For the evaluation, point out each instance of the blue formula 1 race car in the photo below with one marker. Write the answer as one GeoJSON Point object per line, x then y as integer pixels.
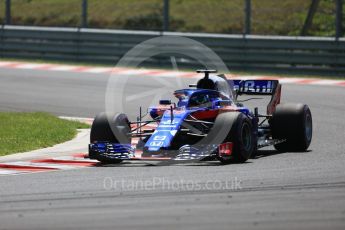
{"type": "Point", "coordinates": [207, 123]}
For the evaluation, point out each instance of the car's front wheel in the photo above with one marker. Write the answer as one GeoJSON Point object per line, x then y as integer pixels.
{"type": "Point", "coordinates": [112, 128]}
{"type": "Point", "coordinates": [238, 131]}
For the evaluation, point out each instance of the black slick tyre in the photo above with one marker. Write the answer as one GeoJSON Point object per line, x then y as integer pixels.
{"type": "Point", "coordinates": [292, 123]}
{"type": "Point", "coordinates": [241, 135]}
{"type": "Point", "coordinates": [112, 128]}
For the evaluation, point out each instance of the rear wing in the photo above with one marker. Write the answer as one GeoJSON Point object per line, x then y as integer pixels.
{"type": "Point", "coordinates": [255, 87]}
{"type": "Point", "coordinates": [259, 87]}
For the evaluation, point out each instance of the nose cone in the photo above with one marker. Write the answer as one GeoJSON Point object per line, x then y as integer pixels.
{"type": "Point", "coordinates": [166, 130]}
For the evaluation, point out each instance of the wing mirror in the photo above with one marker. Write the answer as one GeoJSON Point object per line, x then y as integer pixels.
{"type": "Point", "coordinates": [165, 102]}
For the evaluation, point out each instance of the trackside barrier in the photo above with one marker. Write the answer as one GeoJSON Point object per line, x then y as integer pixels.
{"type": "Point", "coordinates": [309, 55]}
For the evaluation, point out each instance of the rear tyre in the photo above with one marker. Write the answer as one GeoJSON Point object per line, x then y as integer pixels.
{"type": "Point", "coordinates": [241, 135]}
{"type": "Point", "coordinates": [111, 128]}
{"type": "Point", "coordinates": [292, 123]}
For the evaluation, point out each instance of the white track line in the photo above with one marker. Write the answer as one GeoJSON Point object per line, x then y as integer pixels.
{"type": "Point", "coordinates": [31, 66]}
{"type": "Point", "coordinates": [11, 172]}
{"type": "Point", "coordinates": [77, 159]}
{"type": "Point", "coordinates": [64, 68]}
{"type": "Point", "coordinates": [130, 72]}
{"type": "Point", "coordinates": [165, 73]}
{"type": "Point", "coordinates": [6, 63]}
{"type": "Point", "coordinates": [98, 70]}
{"type": "Point", "coordinates": [326, 82]}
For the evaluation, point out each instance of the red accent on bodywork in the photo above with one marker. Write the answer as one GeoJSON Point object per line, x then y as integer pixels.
{"type": "Point", "coordinates": [275, 100]}
{"type": "Point", "coordinates": [225, 149]}
{"type": "Point", "coordinates": [211, 114]}
{"type": "Point", "coordinates": [208, 114]}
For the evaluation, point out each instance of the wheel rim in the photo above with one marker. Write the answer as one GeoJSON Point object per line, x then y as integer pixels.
{"type": "Point", "coordinates": [308, 127]}
{"type": "Point", "coordinates": [246, 137]}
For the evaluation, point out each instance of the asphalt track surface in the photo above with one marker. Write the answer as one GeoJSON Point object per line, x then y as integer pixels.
{"type": "Point", "coordinates": [273, 191]}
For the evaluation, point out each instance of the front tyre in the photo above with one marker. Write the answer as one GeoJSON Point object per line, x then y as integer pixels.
{"type": "Point", "coordinates": [112, 128]}
{"type": "Point", "coordinates": [293, 124]}
{"type": "Point", "coordinates": [241, 135]}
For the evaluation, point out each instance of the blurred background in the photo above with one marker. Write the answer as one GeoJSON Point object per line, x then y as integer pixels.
{"type": "Point", "coordinates": [261, 17]}
{"type": "Point", "coordinates": [291, 36]}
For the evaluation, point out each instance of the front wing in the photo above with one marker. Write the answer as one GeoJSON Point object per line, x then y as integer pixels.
{"type": "Point", "coordinates": [114, 151]}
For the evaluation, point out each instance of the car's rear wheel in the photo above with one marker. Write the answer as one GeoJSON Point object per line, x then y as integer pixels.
{"type": "Point", "coordinates": [292, 124]}
{"type": "Point", "coordinates": [112, 128]}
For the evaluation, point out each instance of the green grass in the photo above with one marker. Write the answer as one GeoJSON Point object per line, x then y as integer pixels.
{"type": "Point", "coordinates": [22, 132]}
{"type": "Point", "coordinates": [215, 16]}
